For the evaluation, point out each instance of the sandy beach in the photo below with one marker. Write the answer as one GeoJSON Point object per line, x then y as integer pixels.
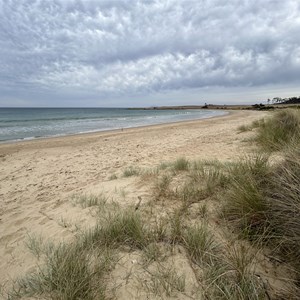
{"type": "Point", "coordinates": [38, 178]}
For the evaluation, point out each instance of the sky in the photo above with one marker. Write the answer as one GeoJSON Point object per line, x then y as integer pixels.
{"type": "Point", "coordinates": [106, 53]}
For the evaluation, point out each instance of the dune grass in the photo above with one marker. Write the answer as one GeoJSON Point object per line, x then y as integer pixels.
{"type": "Point", "coordinates": [181, 164]}
{"type": "Point", "coordinates": [131, 171]}
{"type": "Point", "coordinates": [283, 206]}
{"type": "Point", "coordinates": [89, 200]}
{"type": "Point", "coordinates": [68, 272]}
{"type": "Point", "coordinates": [245, 199]}
{"type": "Point", "coordinates": [231, 275]}
{"type": "Point", "coordinates": [282, 129]}
{"type": "Point", "coordinates": [200, 244]}
{"type": "Point", "coordinates": [263, 201]}
{"type": "Point", "coordinates": [123, 228]}
{"type": "Point", "coordinates": [165, 282]}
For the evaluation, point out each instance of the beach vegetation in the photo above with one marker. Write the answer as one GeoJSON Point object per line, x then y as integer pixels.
{"type": "Point", "coordinates": [64, 222]}
{"type": "Point", "coordinates": [279, 131]}
{"type": "Point", "coordinates": [89, 200]}
{"type": "Point", "coordinates": [176, 228]}
{"type": "Point", "coordinates": [244, 196]}
{"type": "Point", "coordinates": [200, 244]}
{"type": "Point", "coordinates": [163, 166]}
{"type": "Point", "coordinates": [181, 164]}
{"type": "Point", "coordinates": [35, 243]}
{"type": "Point", "coordinates": [244, 128]}
{"type": "Point", "coordinates": [120, 228]}
{"type": "Point", "coordinates": [68, 273]}
{"type": "Point", "coordinates": [165, 282]}
{"type": "Point", "coordinates": [152, 252]}
{"type": "Point", "coordinates": [131, 171]}
{"type": "Point", "coordinates": [161, 188]}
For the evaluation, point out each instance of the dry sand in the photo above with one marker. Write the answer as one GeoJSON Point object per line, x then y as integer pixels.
{"type": "Point", "coordinates": [38, 178]}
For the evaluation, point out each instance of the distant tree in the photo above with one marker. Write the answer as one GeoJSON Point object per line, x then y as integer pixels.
{"type": "Point", "coordinates": [291, 100]}
{"type": "Point", "coordinates": [277, 100]}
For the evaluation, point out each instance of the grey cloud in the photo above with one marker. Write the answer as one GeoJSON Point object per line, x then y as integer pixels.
{"type": "Point", "coordinates": [122, 48]}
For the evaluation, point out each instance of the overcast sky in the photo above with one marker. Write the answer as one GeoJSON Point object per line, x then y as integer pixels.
{"type": "Point", "coordinates": [143, 53]}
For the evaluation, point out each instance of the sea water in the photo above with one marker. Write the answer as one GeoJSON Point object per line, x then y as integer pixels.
{"type": "Point", "coordinates": [30, 123]}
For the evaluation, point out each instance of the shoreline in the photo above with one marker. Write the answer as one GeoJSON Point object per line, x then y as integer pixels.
{"type": "Point", "coordinates": [100, 133]}
{"type": "Point", "coordinates": [95, 131]}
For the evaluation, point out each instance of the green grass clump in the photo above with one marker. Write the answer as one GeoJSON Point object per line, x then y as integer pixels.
{"type": "Point", "coordinates": [245, 195]}
{"type": "Point", "coordinates": [181, 164]}
{"type": "Point", "coordinates": [280, 130]}
{"type": "Point", "coordinates": [283, 205]}
{"type": "Point", "coordinates": [131, 171]}
{"type": "Point", "coordinates": [161, 188]}
{"type": "Point", "coordinates": [199, 243]}
{"type": "Point", "coordinates": [232, 275]}
{"type": "Point", "coordinates": [35, 244]}
{"type": "Point", "coordinates": [223, 284]}
{"type": "Point", "coordinates": [67, 274]}
{"type": "Point", "coordinates": [264, 203]}
{"type": "Point", "coordinates": [176, 232]}
{"type": "Point", "coordinates": [120, 229]}
{"type": "Point", "coordinates": [89, 200]}
{"type": "Point", "coordinates": [211, 177]}
{"type": "Point", "coordinates": [244, 128]}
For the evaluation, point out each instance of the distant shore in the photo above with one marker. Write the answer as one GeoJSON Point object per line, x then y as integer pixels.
{"type": "Point", "coordinates": [259, 106]}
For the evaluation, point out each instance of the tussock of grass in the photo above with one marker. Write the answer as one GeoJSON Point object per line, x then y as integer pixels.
{"type": "Point", "coordinates": [277, 132]}
{"type": "Point", "coordinates": [123, 228]}
{"type": "Point", "coordinates": [161, 188]}
{"type": "Point", "coordinates": [176, 233]}
{"type": "Point", "coordinates": [283, 204]}
{"type": "Point", "coordinates": [181, 164]}
{"type": "Point", "coordinates": [244, 128]}
{"type": "Point", "coordinates": [257, 123]}
{"type": "Point", "coordinates": [211, 177]}
{"type": "Point", "coordinates": [89, 200]}
{"type": "Point", "coordinates": [200, 244]}
{"type": "Point", "coordinates": [264, 203]}
{"type": "Point", "coordinates": [35, 244]}
{"type": "Point", "coordinates": [131, 171]}
{"type": "Point", "coordinates": [163, 166]}
{"type": "Point", "coordinates": [203, 210]}
{"type": "Point", "coordinates": [67, 274]}
{"type": "Point", "coordinates": [245, 195]}
{"type": "Point", "coordinates": [231, 275]}
{"type": "Point", "coordinates": [222, 283]}
{"type": "Point", "coordinates": [151, 253]}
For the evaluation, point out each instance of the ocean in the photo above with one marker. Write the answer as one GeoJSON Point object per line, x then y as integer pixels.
{"type": "Point", "coordinates": [31, 123]}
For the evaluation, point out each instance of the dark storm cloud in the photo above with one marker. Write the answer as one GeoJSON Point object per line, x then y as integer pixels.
{"type": "Point", "coordinates": [140, 47]}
